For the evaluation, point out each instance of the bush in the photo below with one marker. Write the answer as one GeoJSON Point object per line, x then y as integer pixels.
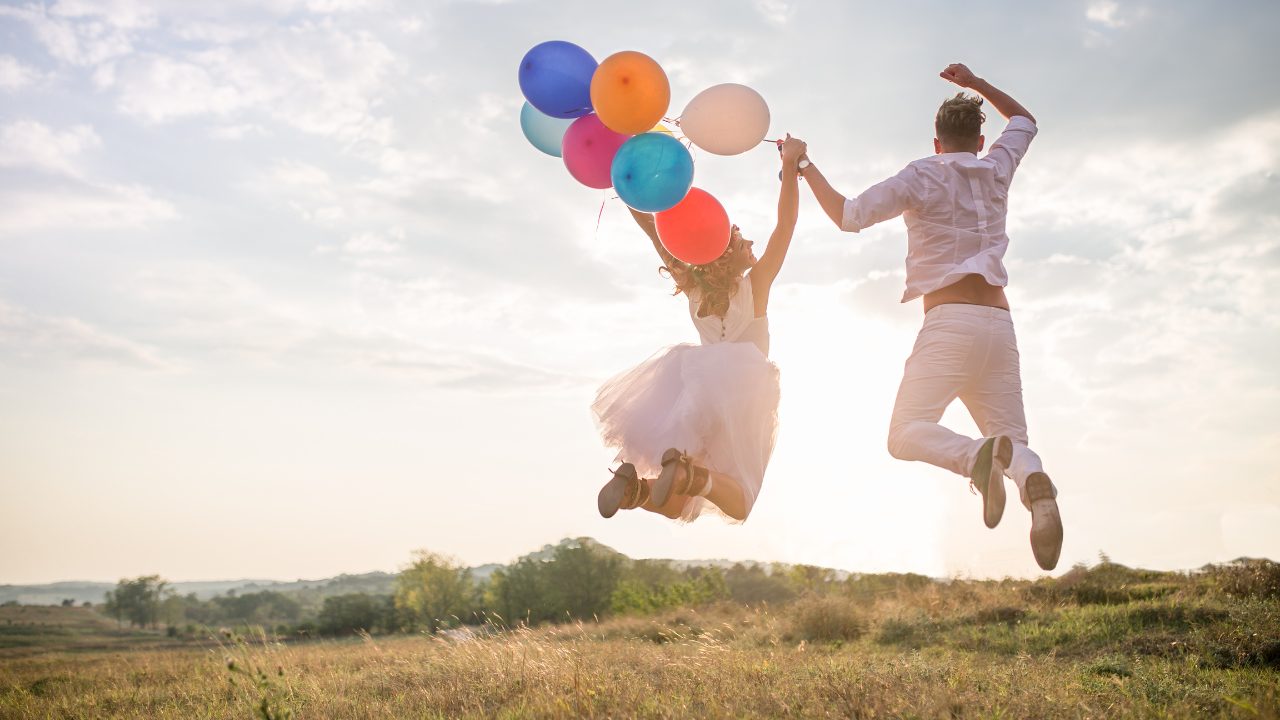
{"type": "Point", "coordinates": [1247, 577]}
{"type": "Point", "coordinates": [826, 619]}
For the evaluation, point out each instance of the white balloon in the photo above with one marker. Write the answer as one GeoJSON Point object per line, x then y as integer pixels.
{"type": "Point", "coordinates": [727, 119]}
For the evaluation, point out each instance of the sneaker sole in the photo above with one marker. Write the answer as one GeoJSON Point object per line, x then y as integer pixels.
{"type": "Point", "coordinates": [1046, 535]}
{"type": "Point", "coordinates": [989, 471]}
{"type": "Point", "coordinates": [1001, 457]}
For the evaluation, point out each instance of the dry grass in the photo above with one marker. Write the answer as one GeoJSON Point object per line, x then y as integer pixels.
{"type": "Point", "coordinates": [958, 650]}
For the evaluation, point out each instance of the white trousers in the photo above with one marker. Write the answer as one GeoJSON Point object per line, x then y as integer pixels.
{"type": "Point", "coordinates": [967, 352]}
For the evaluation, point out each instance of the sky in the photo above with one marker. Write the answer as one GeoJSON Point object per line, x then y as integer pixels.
{"type": "Point", "coordinates": [285, 292]}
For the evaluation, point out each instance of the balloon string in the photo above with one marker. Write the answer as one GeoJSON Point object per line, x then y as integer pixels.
{"type": "Point", "coordinates": [601, 213]}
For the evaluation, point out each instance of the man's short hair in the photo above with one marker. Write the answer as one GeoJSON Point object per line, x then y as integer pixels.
{"type": "Point", "coordinates": [959, 121]}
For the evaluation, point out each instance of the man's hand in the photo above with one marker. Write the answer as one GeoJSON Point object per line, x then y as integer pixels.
{"type": "Point", "coordinates": [960, 75]}
{"type": "Point", "coordinates": [964, 77]}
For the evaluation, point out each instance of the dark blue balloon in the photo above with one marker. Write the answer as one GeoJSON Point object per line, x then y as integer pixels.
{"type": "Point", "coordinates": [652, 172]}
{"type": "Point", "coordinates": [555, 77]}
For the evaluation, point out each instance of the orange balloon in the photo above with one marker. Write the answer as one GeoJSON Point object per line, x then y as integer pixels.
{"type": "Point", "coordinates": [630, 92]}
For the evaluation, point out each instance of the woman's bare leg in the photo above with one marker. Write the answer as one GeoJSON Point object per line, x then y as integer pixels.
{"type": "Point", "coordinates": [671, 508]}
{"type": "Point", "coordinates": [725, 493]}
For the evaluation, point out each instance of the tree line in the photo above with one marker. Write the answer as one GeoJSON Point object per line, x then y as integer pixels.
{"type": "Point", "coordinates": [577, 580]}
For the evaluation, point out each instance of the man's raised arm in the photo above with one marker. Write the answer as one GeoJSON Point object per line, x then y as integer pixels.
{"type": "Point", "coordinates": [1000, 100]}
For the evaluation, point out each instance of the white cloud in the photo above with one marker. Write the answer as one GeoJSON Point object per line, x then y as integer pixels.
{"type": "Point", "coordinates": [1106, 13]}
{"type": "Point", "coordinates": [33, 145]}
{"type": "Point", "coordinates": [313, 77]}
{"type": "Point", "coordinates": [31, 338]}
{"type": "Point", "coordinates": [775, 11]}
{"type": "Point", "coordinates": [127, 14]}
{"type": "Point", "coordinates": [60, 191]}
{"type": "Point", "coordinates": [81, 208]}
{"type": "Point", "coordinates": [71, 40]}
{"type": "Point", "coordinates": [158, 89]}
{"type": "Point", "coordinates": [14, 75]}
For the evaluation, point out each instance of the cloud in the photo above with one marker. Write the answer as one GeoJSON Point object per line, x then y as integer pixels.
{"type": "Point", "coordinates": [312, 76]}
{"type": "Point", "coordinates": [29, 338]}
{"type": "Point", "coordinates": [159, 89]}
{"type": "Point", "coordinates": [33, 145]}
{"type": "Point", "coordinates": [54, 188]}
{"type": "Point", "coordinates": [775, 11]}
{"type": "Point", "coordinates": [1109, 14]}
{"type": "Point", "coordinates": [14, 75]}
{"type": "Point", "coordinates": [433, 336]}
{"type": "Point", "coordinates": [77, 43]}
{"type": "Point", "coordinates": [81, 208]}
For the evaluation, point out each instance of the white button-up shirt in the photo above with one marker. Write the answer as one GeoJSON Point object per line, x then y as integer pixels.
{"type": "Point", "coordinates": [954, 205]}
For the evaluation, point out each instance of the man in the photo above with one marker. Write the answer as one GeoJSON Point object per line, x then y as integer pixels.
{"type": "Point", "coordinates": [954, 205]}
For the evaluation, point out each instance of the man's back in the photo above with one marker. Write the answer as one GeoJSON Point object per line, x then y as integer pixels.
{"type": "Point", "coordinates": [954, 206]}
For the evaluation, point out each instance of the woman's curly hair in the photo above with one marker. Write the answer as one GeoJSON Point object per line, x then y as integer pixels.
{"type": "Point", "coordinates": [712, 284]}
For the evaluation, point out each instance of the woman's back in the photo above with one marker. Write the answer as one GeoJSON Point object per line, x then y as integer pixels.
{"type": "Point", "coordinates": [738, 324]}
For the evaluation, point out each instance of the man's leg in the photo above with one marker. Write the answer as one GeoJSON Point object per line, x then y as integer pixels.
{"type": "Point", "coordinates": [934, 375]}
{"type": "Point", "coordinates": [994, 399]}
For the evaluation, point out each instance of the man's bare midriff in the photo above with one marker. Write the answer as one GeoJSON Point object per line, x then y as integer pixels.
{"type": "Point", "coordinates": [968, 290]}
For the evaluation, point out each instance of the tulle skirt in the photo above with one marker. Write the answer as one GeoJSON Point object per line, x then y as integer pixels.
{"type": "Point", "coordinates": [717, 402]}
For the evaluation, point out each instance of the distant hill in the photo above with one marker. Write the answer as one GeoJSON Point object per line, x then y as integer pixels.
{"type": "Point", "coordinates": [54, 593]}
{"type": "Point", "coordinates": [373, 583]}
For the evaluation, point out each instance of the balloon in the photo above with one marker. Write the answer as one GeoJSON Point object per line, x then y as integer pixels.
{"type": "Point", "coordinates": [652, 172]}
{"type": "Point", "coordinates": [696, 230]}
{"type": "Point", "coordinates": [543, 131]}
{"type": "Point", "coordinates": [660, 128]}
{"type": "Point", "coordinates": [588, 151]}
{"type": "Point", "coordinates": [726, 119]}
{"type": "Point", "coordinates": [630, 92]}
{"type": "Point", "coordinates": [555, 77]}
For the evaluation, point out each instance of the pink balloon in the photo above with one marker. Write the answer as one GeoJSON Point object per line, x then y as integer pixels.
{"type": "Point", "coordinates": [588, 149]}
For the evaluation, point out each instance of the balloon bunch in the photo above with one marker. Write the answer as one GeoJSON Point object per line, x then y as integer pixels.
{"type": "Point", "coordinates": [604, 120]}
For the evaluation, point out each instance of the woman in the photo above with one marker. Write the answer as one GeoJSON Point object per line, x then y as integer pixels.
{"type": "Point", "coordinates": [695, 424]}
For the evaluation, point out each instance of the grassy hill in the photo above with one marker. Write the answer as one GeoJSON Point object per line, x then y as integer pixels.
{"type": "Point", "coordinates": [1100, 642]}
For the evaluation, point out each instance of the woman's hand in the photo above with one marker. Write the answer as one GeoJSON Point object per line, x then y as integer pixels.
{"type": "Point", "coordinates": [792, 150]}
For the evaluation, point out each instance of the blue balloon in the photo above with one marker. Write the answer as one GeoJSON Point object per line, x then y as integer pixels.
{"type": "Point", "coordinates": [555, 77]}
{"type": "Point", "coordinates": [652, 172]}
{"type": "Point", "coordinates": [545, 132]}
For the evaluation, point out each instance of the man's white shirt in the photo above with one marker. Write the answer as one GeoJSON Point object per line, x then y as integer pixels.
{"type": "Point", "coordinates": [954, 205]}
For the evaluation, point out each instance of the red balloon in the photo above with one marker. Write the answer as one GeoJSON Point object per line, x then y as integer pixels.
{"type": "Point", "coordinates": [696, 230]}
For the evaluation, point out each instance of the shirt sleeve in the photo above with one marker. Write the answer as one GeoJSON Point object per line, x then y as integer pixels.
{"type": "Point", "coordinates": [882, 201]}
{"type": "Point", "coordinates": [1009, 148]}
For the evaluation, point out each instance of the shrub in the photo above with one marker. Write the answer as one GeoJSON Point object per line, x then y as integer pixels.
{"type": "Point", "coordinates": [826, 619]}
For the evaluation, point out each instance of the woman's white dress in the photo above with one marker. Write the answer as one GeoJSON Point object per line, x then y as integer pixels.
{"type": "Point", "coordinates": [717, 401]}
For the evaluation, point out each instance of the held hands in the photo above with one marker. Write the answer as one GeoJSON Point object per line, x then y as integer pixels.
{"type": "Point", "coordinates": [959, 74]}
{"type": "Point", "coordinates": [792, 149]}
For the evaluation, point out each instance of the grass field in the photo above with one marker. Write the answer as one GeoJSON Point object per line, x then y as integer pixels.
{"type": "Point", "coordinates": [1098, 643]}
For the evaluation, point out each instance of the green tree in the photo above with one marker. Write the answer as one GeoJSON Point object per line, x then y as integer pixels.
{"type": "Point", "coordinates": [582, 579]}
{"type": "Point", "coordinates": [432, 589]}
{"type": "Point", "coordinates": [352, 613]}
{"type": "Point", "coordinates": [519, 592]}
{"type": "Point", "coordinates": [138, 600]}
{"type": "Point", "coordinates": [752, 585]}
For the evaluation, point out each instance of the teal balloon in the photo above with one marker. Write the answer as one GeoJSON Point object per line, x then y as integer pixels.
{"type": "Point", "coordinates": [652, 172]}
{"type": "Point", "coordinates": [543, 131]}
